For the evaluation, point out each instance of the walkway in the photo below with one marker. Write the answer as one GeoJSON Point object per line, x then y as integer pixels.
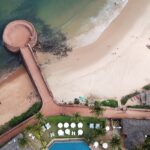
{"type": "Point", "coordinates": [49, 106]}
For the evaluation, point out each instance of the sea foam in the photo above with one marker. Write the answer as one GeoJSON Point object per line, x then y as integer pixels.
{"type": "Point", "coordinates": [99, 23]}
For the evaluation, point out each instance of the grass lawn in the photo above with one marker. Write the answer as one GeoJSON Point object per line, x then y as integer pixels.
{"type": "Point", "coordinates": [86, 130]}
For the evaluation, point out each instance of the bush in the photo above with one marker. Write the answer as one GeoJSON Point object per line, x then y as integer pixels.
{"type": "Point", "coordinates": [87, 103]}
{"type": "Point", "coordinates": [76, 101]}
{"type": "Point", "coordinates": [23, 142]}
{"type": "Point", "coordinates": [110, 103]}
{"type": "Point", "coordinates": [146, 87]}
{"type": "Point", "coordinates": [30, 112]}
{"type": "Point", "coordinates": [140, 106]}
{"type": "Point", "coordinates": [127, 97]}
{"type": "Point", "coordinates": [16, 120]}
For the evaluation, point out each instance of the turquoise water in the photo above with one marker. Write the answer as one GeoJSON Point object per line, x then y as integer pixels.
{"type": "Point", "coordinates": [72, 145]}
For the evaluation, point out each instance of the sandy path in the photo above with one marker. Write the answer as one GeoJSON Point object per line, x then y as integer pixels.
{"type": "Point", "coordinates": [15, 95]}
{"type": "Point", "coordinates": [115, 65]}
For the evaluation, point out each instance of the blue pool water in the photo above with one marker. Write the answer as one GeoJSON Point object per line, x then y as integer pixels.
{"type": "Point", "coordinates": [69, 145]}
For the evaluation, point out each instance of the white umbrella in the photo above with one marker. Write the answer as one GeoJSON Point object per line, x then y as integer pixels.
{"type": "Point", "coordinates": [96, 144]}
{"type": "Point", "coordinates": [60, 125]}
{"type": "Point", "coordinates": [66, 125]}
{"type": "Point", "coordinates": [80, 132]}
{"type": "Point", "coordinates": [105, 145]}
{"type": "Point", "coordinates": [67, 131]}
{"type": "Point", "coordinates": [80, 125]}
{"type": "Point", "coordinates": [60, 132]}
{"type": "Point", "coordinates": [30, 134]}
{"type": "Point", "coordinates": [107, 128]}
{"type": "Point", "coordinates": [73, 125]}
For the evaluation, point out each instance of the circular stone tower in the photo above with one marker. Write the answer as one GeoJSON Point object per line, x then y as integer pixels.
{"type": "Point", "coordinates": [19, 34]}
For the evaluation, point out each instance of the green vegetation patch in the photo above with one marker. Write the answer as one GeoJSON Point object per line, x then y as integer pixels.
{"type": "Point", "coordinates": [110, 103]}
{"type": "Point", "coordinates": [127, 97]}
{"type": "Point", "coordinates": [140, 106]}
{"type": "Point", "coordinates": [88, 134]}
{"type": "Point", "coordinates": [146, 87]}
{"type": "Point", "coordinates": [16, 120]}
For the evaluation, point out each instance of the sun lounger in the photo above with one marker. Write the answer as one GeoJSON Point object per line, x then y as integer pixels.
{"type": "Point", "coordinates": [43, 128]}
{"type": "Point", "coordinates": [97, 126]}
{"type": "Point", "coordinates": [48, 126]}
{"type": "Point", "coordinates": [91, 126]}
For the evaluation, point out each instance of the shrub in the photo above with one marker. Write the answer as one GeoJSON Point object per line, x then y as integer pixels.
{"type": "Point", "coordinates": [110, 103]}
{"type": "Point", "coordinates": [146, 87]}
{"type": "Point", "coordinates": [76, 101]}
{"type": "Point", "coordinates": [87, 103]}
{"type": "Point", "coordinates": [23, 142]}
{"type": "Point", "coordinates": [16, 120]}
{"type": "Point", "coordinates": [127, 97]}
{"type": "Point", "coordinates": [30, 112]}
{"type": "Point", "coordinates": [140, 106]}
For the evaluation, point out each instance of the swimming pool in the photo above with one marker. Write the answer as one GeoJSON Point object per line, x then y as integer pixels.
{"type": "Point", "coordinates": [69, 145]}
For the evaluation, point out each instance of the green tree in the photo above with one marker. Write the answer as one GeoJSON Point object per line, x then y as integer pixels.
{"type": "Point", "coordinates": [23, 141]}
{"type": "Point", "coordinates": [97, 109]}
{"type": "Point", "coordinates": [115, 143]}
{"type": "Point", "coordinates": [37, 132]}
{"type": "Point", "coordinates": [76, 116]}
{"type": "Point", "coordinates": [41, 118]}
{"type": "Point", "coordinates": [90, 136]}
{"type": "Point", "coordinates": [146, 145]}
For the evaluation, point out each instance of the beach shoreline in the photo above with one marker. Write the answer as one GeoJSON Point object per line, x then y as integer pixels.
{"type": "Point", "coordinates": [78, 74]}
{"type": "Point", "coordinates": [18, 70]}
{"type": "Point", "coordinates": [99, 23]}
{"type": "Point", "coordinates": [111, 70]}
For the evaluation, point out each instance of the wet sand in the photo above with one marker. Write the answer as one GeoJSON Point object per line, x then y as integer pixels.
{"type": "Point", "coordinates": [115, 65]}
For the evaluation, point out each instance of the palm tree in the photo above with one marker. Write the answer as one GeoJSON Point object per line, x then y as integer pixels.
{"type": "Point", "coordinates": [37, 131]}
{"type": "Point", "coordinates": [76, 117]}
{"type": "Point", "coordinates": [97, 109]}
{"type": "Point", "coordinates": [115, 143]}
{"type": "Point", "coordinates": [40, 118]}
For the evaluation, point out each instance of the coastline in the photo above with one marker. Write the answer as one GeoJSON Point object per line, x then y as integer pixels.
{"type": "Point", "coordinates": [15, 71]}
{"type": "Point", "coordinates": [111, 70]}
{"type": "Point", "coordinates": [7, 77]}
{"type": "Point", "coordinates": [108, 57]}
{"type": "Point", "coordinates": [45, 58]}
{"type": "Point", "coordinates": [99, 23]}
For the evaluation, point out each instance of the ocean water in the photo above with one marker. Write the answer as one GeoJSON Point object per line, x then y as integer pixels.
{"type": "Point", "coordinates": [81, 20]}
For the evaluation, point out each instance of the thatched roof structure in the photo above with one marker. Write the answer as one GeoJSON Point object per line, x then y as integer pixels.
{"type": "Point", "coordinates": [135, 131]}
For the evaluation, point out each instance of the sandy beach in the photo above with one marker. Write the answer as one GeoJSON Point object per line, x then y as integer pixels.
{"type": "Point", "coordinates": [17, 94]}
{"type": "Point", "coordinates": [113, 66]}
